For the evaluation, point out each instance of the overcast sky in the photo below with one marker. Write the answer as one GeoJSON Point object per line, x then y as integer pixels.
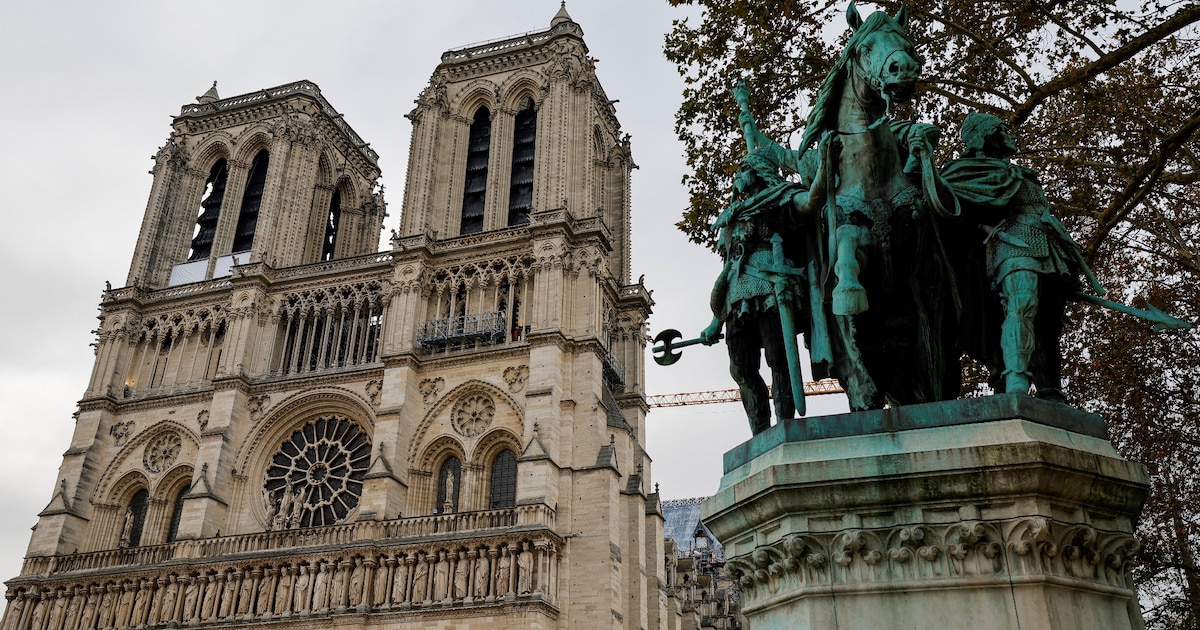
{"type": "Point", "coordinates": [89, 89]}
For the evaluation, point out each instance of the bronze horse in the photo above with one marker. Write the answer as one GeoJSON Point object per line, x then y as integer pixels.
{"type": "Point", "coordinates": [884, 322]}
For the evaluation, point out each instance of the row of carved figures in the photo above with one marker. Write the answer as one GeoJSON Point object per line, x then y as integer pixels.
{"type": "Point", "coordinates": [399, 580]}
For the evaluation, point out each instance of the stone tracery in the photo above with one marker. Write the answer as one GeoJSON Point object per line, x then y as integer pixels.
{"type": "Point", "coordinates": [473, 414]}
{"type": "Point", "coordinates": [316, 476]}
{"type": "Point", "coordinates": [161, 453]}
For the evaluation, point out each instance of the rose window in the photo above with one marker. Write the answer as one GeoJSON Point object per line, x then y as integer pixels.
{"type": "Point", "coordinates": [473, 414]}
{"type": "Point", "coordinates": [161, 453]}
{"type": "Point", "coordinates": [316, 477]}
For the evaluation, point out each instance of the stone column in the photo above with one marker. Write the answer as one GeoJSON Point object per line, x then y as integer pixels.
{"type": "Point", "coordinates": [987, 513]}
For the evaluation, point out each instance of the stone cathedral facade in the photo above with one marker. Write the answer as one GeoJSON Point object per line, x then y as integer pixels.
{"type": "Point", "coordinates": [286, 425]}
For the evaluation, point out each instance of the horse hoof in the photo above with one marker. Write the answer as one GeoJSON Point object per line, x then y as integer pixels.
{"type": "Point", "coordinates": [849, 300]}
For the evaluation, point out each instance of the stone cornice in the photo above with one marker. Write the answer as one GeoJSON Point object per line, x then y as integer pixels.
{"type": "Point", "coordinates": [158, 401]}
{"type": "Point", "coordinates": [474, 357]}
{"type": "Point", "coordinates": [293, 382]}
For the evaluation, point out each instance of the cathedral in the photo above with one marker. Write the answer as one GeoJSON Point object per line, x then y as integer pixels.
{"type": "Point", "coordinates": [286, 425]}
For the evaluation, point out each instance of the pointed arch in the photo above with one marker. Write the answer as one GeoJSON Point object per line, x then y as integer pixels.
{"type": "Point", "coordinates": [478, 93]}
{"type": "Point", "coordinates": [281, 420]}
{"type": "Point", "coordinates": [521, 175]}
{"type": "Point", "coordinates": [522, 84]}
{"type": "Point", "coordinates": [444, 458]}
{"type": "Point", "coordinates": [508, 414]}
{"type": "Point", "coordinates": [112, 486]}
{"type": "Point", "coordinates": [496, 456]}
{"type": "Point", "coordinates": [475, 180]}
{"type": "Point", "coordinates": [172, 488]}
{"type": "Point", "coordinates": [125, 486]}
{"type": "Point", "coordinates": [251, 141]}
{"type": "Point", "coordinates": [214, 147]}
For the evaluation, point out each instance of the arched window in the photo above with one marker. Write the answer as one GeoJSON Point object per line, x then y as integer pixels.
{"type": "Point", "coordinates": [449, 483]}
{"type": "Point", "coordinates": [520, 190]}
{"type": "Point", "coordinates": [477, 168]}
{"type": "Point", "coordinates": [504, 480]}
{"type": "Point", "coordinates": [331, 225]}
{"type": "Point", "coordinates": [135, 519]}
{"type": "Point", "coordinates": [176, 514]}
{"type": "Point", "coordinates": [210, 211]}
{"type": "Point", "coordinates": [256, 183]}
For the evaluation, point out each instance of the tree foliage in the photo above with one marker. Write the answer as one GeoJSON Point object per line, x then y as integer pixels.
{"type": "Point", "coordinates": [1103, 97]}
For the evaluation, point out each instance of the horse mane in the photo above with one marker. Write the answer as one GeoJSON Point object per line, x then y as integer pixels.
{"type": "Point", "coordinates": [825, 107]}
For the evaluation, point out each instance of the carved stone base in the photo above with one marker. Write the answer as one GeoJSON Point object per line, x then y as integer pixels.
{"type": "Point", "coordinates": [991, 513]}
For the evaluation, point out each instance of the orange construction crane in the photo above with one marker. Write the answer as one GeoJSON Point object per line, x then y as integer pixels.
{"type": "Point", "coordinates": [811, 388]}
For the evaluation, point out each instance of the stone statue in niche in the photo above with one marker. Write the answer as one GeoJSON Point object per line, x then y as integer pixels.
{"type": "Point", "coordinates": [441, 578]}
{"type": "Point", "coordinates": [420, 579]}
{"type": "Point", "coordinates": [504, 574]}
{"type": "Point", "coordinates": [525, 570]}
{"type": "Point", "coordinates": [482, 574]}
{"type": "Point", "coordinates": [448, 505]}
{"type": "Point", "coordinates": [126, 529]}
{"type": "Point", "coordinates": [460, 576]}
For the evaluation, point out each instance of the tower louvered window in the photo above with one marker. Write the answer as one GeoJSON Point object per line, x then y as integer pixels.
{"type": "Point", "coordinates": [210, 211]}
{"type": "Point", "coordinates": [256, 182]}
{"type": "Point", "coordinates": [477, 170]}
{"type": "Point", "coordinates": [520, 191]}
{"type": "Point", "coordinates": [331, 225]}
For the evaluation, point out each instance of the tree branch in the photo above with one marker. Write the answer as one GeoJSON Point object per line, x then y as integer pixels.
{"type": "Point", "coordinates": [970, 34]}
{"type": "Point", "coordinates": [1139, 187]}
{"type": "Point", "coordinates": [1185, 16]}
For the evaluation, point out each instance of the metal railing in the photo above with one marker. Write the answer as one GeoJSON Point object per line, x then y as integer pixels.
{"type": "Point", "coordinates": [455, 332]}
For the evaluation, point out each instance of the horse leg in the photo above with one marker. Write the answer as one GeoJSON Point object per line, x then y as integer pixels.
{"type": "Point", "coordinates": [849, 296]}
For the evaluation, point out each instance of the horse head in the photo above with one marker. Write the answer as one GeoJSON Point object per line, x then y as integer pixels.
{"type": "Point", "coordinates": [882, 55]}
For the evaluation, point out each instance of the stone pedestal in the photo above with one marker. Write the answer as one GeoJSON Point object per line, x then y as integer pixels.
{"type": "Point", "coordinates": [989, 513]}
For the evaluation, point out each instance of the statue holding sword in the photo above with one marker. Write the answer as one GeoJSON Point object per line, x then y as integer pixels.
{"type": "Point", "coordinates": [759, 296]}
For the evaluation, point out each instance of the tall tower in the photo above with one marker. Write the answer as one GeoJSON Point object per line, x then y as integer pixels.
{"type": "Point", "coordinates": [283, 424]}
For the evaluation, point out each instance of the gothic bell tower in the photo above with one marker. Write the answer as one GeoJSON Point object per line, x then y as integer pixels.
{"type": "Point", "coordinates": [275, 176]}
{"type": "Point", "coordinates": [284, 424]}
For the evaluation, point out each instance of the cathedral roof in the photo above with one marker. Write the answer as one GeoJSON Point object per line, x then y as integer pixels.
{"type": "Point", "coordinates": [682, 523]}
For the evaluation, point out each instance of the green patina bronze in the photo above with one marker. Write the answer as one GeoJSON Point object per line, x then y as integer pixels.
{"type": "Point", "coordinates": [758, 295]}
{"type": "Point", "coordinates": [1033, 266]}
{"type": "Point", "coordinates": [880, 297]}
{"type": "Point", "coordinates": [889, 268]}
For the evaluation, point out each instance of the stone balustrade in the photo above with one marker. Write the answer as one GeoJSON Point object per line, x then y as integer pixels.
{"type": "Point", "coordinates": [522, 517]}
{"type": "Point", "coordinates": [374, 577]}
